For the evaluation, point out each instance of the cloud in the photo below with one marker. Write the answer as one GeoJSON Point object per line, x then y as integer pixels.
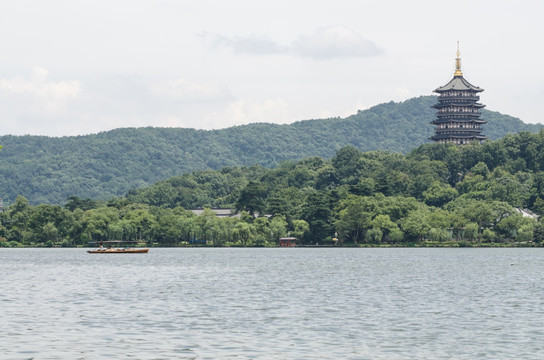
{"type": "Point", "coordinates": [38, 106]}
{"type": "Point", "coordinates": [245, 45]}
{"type": "Point", "coordinates": [49, 95]}
{"type": "Point", "coordinates": [402, 93]}
{"type": "Point", "coordinates": [325, 43]}
{"type": "Point", "coordinates": [246, 111]}
{"type": "Point", "coordinates": [335, 42]}
{"type": "Point", "coordinates": [183, 90]}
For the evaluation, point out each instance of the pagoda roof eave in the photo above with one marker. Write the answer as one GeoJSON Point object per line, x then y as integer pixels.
{"type": "Point", "coordinates": [458, 83]}
{"type": "Point", "coordinates": [464, 137]}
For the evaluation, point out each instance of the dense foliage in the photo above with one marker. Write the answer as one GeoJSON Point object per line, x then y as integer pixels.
{"type": "Point", "coordinates": [100, 166]}
{"type": "Point", "coordinates": [435, 195]}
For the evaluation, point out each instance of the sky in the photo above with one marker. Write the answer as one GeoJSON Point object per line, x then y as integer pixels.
{"type": "Point", "coordinates": [74, 67]}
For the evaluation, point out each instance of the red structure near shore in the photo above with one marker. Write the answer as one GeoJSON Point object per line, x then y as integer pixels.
{"type": "Point", "coordinates": [288, 242]}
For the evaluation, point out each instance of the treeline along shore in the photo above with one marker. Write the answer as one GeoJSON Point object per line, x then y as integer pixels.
{"type": "Point", "coordinates": [436, 195]}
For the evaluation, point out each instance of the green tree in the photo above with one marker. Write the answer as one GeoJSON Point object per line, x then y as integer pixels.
{"type": "Point", "coordinates": [489, 235]}
{"type": "Point", "coordinates": [471, 231]}
{"type": "Point", "coordinates": [317, 212]}
{"type": "Point", "coordinates": [416, 225]}
{"type": "Point", "coordinates": [439, 235]}
{"type": "Point", "coordinates": [252, 198]}
{"type": "Point", "coordinates": [374, 236]}
{"type": "Point", "coordinates": [50, 232]}
{"type": "Point", "coordinates": [353, 219]}
{"type": "Point", "coordinates": [300, 228]}
{"type": "Point", "coordinates": [538, 232]}
{"type": "Point", "coordinates": [438, 194]}
{"type": "Point", "coordinates": [525, 233]}
{"type": "Point", "coordinates": [18, 214]}
{"type": "Point", "coordinates": [244, 233]}
{"type": "Point", "coordinates": [278, 228]}
{"type": "Point", "coordinates": [384, 224]}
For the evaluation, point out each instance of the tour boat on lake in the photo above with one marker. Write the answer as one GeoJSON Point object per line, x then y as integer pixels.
{"type": "Point", "coordinates": [117, 250]}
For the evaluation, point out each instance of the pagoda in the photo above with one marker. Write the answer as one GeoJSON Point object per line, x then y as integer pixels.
{"type": "Point", "coordinates": [458, 117]}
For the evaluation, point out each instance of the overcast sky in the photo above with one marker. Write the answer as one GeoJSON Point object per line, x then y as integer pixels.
{"type": "Point", "coordinates": [73, 67]}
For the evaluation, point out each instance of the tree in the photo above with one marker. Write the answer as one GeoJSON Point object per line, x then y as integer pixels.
{"type": "Point", "coordinates": [384, 224]}
{"type": "Point", "coordinates": [169, 227]}
{"type": "Point", "coordinates": [538, 232]}
{"type": "Point", "coordinates": [300, 228]}
{"type": "Point", "coordinates": [396, 236]}
{"type": "Point", "coordinates": [489, 235]}
{"type": "Point", "coordinates": [244, 232]}
{"type": "Point", "coordinates": [76, 203]}
{"type": "Point", "coordinates": [439, 235]}
{"type": "Point", "coordinates": [525, 233]}
{"type": "Point", "coordinates": [317, 212]}
{"type": "Point", "coordinates": [96, 222]}
{"type": "Point", "coordinates": [471, 231]}
{"type": "Point", "coordinates": [374, 236]}
{"type": "Point", "coordinates": [287, 202]}
{"type": "Point", "coordinates": [480, 169]}
{"type": "Point", "coordinates": [251, 198]}
{"type": "Point", "coordinates": [50, 232]}
{"type": "Point", "coordinates": [347, 164]}
{"type": "Point", "coordinates": [278, 228]}
{"type": "Point", "coordinates": [438, 194]}
{"type": "Point", "coordinates": [353, 220]}
{"type": "Point", "coordinates": [19, 216]}
{"type": "Point", "coordinates": [365, 187]}
{"type": "Point", "coordinates": [415, 225]}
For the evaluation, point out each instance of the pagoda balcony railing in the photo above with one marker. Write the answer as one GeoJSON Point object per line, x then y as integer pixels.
{"type": "Point", "coordinates": [457, 104]}
{"type": "Point", "coordinates": [460, 110]}
{"type": "Point", "coordinates": [459, 113]}
{"type": "Point", "coordinates": [458, 132]}
{"type": "Point", "coordinates": [459, 98]}
{"type": "Point", "coordinates": [449, 121]}
{"type": "Point", "coordinates": [460, 127]}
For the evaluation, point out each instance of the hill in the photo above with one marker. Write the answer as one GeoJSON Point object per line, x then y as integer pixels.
{"type": "Point", "coordinates": [108, 164]}
{"type": "Point", "coordinates": [437, 195]}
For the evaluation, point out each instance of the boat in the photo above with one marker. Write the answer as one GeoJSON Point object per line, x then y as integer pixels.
{"type": "Point", "coordinates": [117, 250]}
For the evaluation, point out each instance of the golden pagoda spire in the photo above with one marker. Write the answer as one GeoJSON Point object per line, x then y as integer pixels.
{"type": "Point", "coordinates": [458, 71]}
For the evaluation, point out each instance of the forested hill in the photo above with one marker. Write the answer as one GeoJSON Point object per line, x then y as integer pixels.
{"type": "Point", "coordinates": [100, 166]}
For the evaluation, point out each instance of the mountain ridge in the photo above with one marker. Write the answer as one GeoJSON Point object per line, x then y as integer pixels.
{"type": "Point", "coordinates": [110, 163]}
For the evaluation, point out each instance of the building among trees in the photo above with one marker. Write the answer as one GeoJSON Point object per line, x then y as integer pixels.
{"type": "Point", "coordinates": [458, 117]}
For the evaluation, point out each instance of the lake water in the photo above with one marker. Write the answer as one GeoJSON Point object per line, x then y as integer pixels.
{"type": "Point", "coordinates": [272, 304]}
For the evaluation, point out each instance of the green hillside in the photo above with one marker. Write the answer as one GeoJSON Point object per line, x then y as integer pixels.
{"type": "Point", "coordinates": [437, 195]}
{"type": "Point", "coordinates": [108, 164]}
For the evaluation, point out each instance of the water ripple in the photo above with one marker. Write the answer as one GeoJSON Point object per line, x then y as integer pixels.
{"type": "Point", "coordinates": [273, 304]}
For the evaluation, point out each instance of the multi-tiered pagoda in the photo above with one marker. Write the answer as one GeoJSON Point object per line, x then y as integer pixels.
{"type": "Point", "coordinates": [458, 118]}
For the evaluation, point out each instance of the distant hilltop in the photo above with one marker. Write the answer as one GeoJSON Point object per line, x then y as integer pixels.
{"type": "Point", "coordinates": [108, 164]}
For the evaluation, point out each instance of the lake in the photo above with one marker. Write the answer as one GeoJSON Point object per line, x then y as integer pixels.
{"type": "Point", "coordinates": [258, 303]}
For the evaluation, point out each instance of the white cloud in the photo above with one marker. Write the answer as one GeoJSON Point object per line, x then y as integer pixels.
{"type": "Point", "coordinates": [184, 90]}
{"type": "Point", "coordinates": [245, 44]}
{"type": "Point", "coordinates": [246, 111]}
{"type": "Point", "coordinates": [402, 93]}
{"type": "Point", "coordinates": [325, 43]}
{"type": "Point", "coordinates": [38, 91]}
{"type": "Point", "coordinates": [335, 42]}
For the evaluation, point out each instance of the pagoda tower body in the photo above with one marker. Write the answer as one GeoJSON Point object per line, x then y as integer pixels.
{"type": "Point", "coordinates": [458, 117]}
